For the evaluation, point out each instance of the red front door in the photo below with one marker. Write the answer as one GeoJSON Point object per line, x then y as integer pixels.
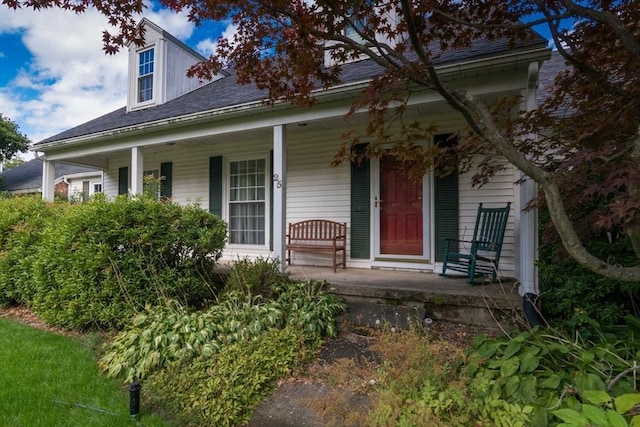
{"type": "Point", "coordinates": [400, 210]}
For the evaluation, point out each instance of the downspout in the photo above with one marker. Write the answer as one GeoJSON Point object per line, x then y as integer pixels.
{"type": "Point", "coordinates": [529, 222]}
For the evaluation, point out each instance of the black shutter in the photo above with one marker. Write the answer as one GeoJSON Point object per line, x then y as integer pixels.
{"type": "Point", "coordinates": [215, 185]}
{"type": "Point", "coordinates": [446, 200]}
{"type": "Point", "coordinates": [360, 208]}
{"type": "Point", "coordinates": [166, 183]}
{"type": "Point", "coordinates": [123, 180]}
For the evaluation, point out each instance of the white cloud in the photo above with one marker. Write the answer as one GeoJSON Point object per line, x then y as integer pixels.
{"type": "Point", "coordinates": [208, 46]}
{"type": "Point", "coordinates": [70, 79]}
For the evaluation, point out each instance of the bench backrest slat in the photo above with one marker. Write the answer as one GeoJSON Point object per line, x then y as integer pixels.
{"type": "Point", "coordinates": [316, 229]}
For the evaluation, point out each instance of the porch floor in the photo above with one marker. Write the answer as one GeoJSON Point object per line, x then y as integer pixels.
{"type": "Point", "coordinates": [372, 294]}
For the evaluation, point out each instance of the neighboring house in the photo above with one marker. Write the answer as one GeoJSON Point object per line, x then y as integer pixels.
{"type": "Point", "coordinates": [68, 179]}
{"type": "Point", "coordinates": [260, 167]}
{"type": "Point", "coordinates": [83, 185]}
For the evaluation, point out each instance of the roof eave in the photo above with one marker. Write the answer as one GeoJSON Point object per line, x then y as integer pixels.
{"type": "Point", "coordinates": [522, 57]}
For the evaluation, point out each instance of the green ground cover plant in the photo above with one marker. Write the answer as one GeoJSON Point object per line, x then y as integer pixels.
{"type": "Point", "coordinates": [565, 381]}
{"type": "Point", "coordinates": [537, 378]}
{"type": "Point", "coordinates": [212, 366]}
{"type": "Point", "coordinates": [52, 380]}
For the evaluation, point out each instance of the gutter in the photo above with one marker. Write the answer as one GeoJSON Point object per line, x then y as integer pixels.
{"type": "Point", "coordinates": [334, 92]}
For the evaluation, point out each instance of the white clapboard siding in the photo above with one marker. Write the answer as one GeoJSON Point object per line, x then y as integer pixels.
{"type": "Point", "coordinates": [179, 60]}
{"type": "Point", "coordinates": [496, 193]}
{"type": "Point", "coordinates": [116, 161]}
{"type": "Point", "coordinates": [315, 189]}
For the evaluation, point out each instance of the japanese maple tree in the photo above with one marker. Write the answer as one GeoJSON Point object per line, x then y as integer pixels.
{"type": "Point", "coordinates": [582, 145]}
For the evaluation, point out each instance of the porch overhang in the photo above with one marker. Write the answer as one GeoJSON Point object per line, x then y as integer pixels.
{"type": "Point", "coordinates": [343, 92]}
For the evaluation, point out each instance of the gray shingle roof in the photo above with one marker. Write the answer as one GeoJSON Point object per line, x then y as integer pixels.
{"type": "Point", "coordinates": [28, 175]}
{"type": "Point", "coordinates": [226, 92]}
{"type": "Point", "coordinates": [548, 72]}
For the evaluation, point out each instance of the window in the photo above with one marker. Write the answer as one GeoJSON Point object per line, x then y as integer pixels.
{"type": "Point", "coordinates": [145, 75]}
{"type": "Point", "coordinates": [97, 188]}
{"type": "Point", "coordinates": [85, 191]}
{"type": "Point", "coordinates": [247, 195]}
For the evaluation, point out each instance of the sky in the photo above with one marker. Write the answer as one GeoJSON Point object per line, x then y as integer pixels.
{"type": "Point", "coordinates": [54, 74]}
{"type": "Point", "coordinates": [52, 64]}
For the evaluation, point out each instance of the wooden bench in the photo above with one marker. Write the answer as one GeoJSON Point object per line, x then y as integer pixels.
{"type": "Point", "coordinates": [318, 236]}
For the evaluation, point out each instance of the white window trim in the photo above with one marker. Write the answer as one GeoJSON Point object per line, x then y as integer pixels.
{"type": "Point", "coordinates": [135, 79]}
{"type": "Point", "coordinates": [226, 179]}
{"type": "Point", "coordinates": [93, 187]}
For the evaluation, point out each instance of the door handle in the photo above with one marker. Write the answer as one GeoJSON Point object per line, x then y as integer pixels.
{"type": "Point", "coordinates": [377, 201]}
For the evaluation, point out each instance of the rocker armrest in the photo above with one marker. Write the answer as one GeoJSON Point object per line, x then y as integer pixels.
{"type": "Point", "coordinates": [450, 239]}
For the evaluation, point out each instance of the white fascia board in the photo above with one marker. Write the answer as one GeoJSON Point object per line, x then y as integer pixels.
{"type": "Point", "coordinates": [256, 107]}
{"type": "Point", "coordinates": [26, 190]}
{"type": "Point", "coordinates": [82, 175]}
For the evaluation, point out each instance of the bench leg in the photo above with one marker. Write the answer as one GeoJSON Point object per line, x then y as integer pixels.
{"type": "Point", "coordinates": [334, 261]}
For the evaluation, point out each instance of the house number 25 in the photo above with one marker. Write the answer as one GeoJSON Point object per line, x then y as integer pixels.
{"type": "Point", "coordinates": [277, 180]}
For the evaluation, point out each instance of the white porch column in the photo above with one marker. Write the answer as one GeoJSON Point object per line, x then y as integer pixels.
{"type": "Point", "coordinates": [529, 219]}
{"type": "Point", "coordinates": [137, 166]}
{"type": "Point", "coordinates": [279, 193]}
{"type": "Point", "coordinates": [48, 180]}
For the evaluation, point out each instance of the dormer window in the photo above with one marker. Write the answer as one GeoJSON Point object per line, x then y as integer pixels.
{"type": "Point", "coordinates": [354, 26]}
{"type": "Point", "coordinates": [145, 75]}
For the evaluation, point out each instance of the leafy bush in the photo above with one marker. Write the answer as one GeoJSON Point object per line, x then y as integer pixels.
{"type": "Point", "coordinates": [256, 277]}
{"type": "Point", "coordinates": [102, 261]}
{"type": "Point", "coordinates": [571, 294]}
{"type": "Point", "coordinates": [22, 221]}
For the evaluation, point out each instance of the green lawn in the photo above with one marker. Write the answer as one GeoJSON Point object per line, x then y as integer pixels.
{"type": "Point", "coordinates": [52, 380]}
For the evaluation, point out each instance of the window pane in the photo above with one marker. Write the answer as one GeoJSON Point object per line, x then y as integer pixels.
{"type": "Point", "coordinates": [145, 88]}
{"type": "Point", "coordinates": [246, 223]}
{"type": "Point", "coordinates": [146, 63]}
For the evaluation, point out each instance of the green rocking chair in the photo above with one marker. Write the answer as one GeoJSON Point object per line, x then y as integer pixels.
{"type": "Point", "coordinates": [484, 248]}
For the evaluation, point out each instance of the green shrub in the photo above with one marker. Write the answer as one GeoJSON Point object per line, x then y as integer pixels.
{"type": "Point", "coordinates": [102, 261]}
{"type": "Point", "coordinates": [223, 390]}
{"type": "Point", "coordinates": [22, 221]}
{"type": "Point", "coordinates": [256, 277]}
{"type": "Point", "coordinates": [571, 294]}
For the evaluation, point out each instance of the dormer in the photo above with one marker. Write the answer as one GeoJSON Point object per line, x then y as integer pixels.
{"type": "Point", "coordinates": [158, 70]}
{"type": "Point", "coordinates": [354, 24]}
